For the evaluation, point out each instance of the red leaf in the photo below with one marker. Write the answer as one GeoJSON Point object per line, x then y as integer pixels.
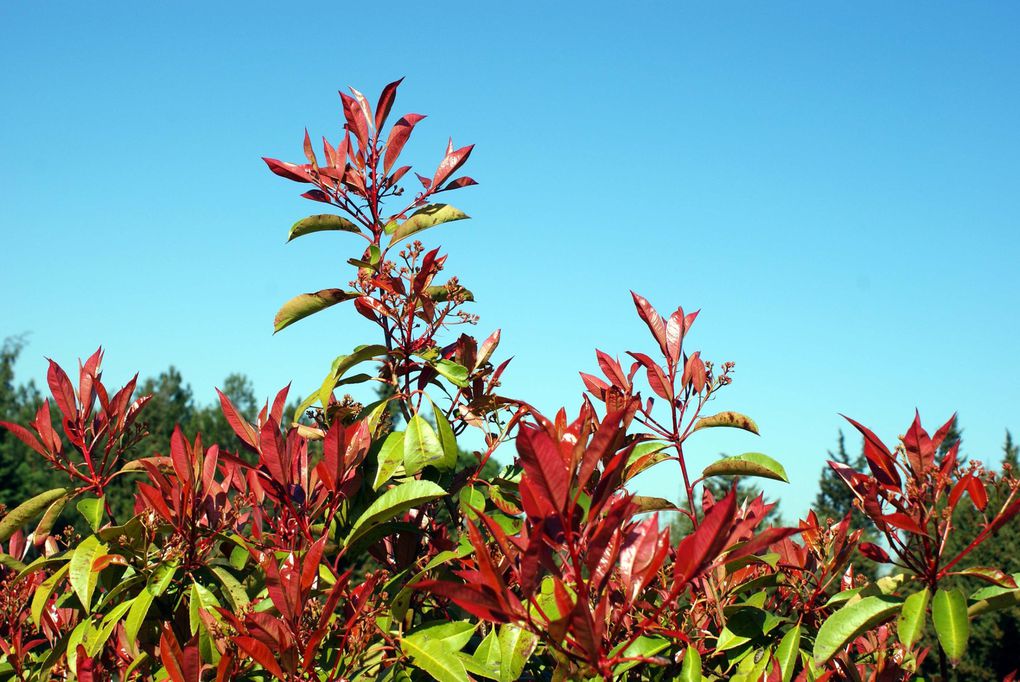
{"type": "Point", "coordinates": [918, 446]}
{"type": "Point", "coordinates": [543, 466]}
{"type": "Point", "coordinates": [244, 430]}
{"type": "Point", "coordinates": [398, 138]}
{"type": "Point", "coordinates": [978, 494]}
{"type": "Point", "coordinates": [699, 549]}
{"type": "Point", "coordinates": [475, 599]}
{"type": "Point", "coordinates": [261, 654]}
{"type": "Point", "coordinates": [460, 182]}
{"type": "Point", "coordinates": [904, 522]}
{"type": "Point", "coordinates": [611, 368]}
{"type": "Point", "coordinates": [450, 163]}
{"type": "Point", "coordinates": [940, 435]}
{"type": "Point", "coordinates": [180, 457]}
{"type": "Point", "coordinates": [25, 436]}
{"type": "Point", "coordinates": [880, 460]}
{"type": "Point", "coordinates": [654, 320]}
{"type": "Point", "coordinates": [656, 377]}
{"type": "Point", "coordinates": [762, 540]}
{"type": "Point", "coordinates": [874, 552]}
{"type": "Point", "coordinates": [382, 109]}
{"type": "Point", "coordinates": [290, 171]}
{"type": "Point", "coordinates": [272, 451]}
{"type": "Point", "coordinates": [63, 391]}
{"type": "Point", "coordinates": [675, 336]}
{"type": "Point", "coordinates": [357, 121]}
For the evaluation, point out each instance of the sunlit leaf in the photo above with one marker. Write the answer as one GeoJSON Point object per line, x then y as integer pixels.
{"type": "Point", "coordinates": [747, 464]}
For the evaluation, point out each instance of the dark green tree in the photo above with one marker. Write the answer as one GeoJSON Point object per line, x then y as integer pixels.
{"type": "Point", "coordinates": [992, 649]}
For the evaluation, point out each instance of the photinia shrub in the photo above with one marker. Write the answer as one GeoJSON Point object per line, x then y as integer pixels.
{"type": "Point", "coordinates": [351, 541]}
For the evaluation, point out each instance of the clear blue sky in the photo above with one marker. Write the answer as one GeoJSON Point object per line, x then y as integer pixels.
{"type": "Point", "coordinates": [835, 185]}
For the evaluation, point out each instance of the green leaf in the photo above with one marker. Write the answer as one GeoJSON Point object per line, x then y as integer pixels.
{"type": "Point", "coordinates": [447, 440]}
{"type": "Point", "coordinates": [486, 657]}
{"type": "Point", "coordinates": [471, 499]}
{"type": "Point", "coordinates": [42, 593]}
{"type": "Point", "coordinates": [233, 590]}
{"type": "Point", "coordinates": [845, 625]}
{"type": "Point", "coordinates": [452, 636]}
{"type": "Point", "coordinates": [321, 223]}
{"type": "Point", "coordinates": [454, 373]}
{"type": "Point", "coordinates": [342, 363]}
{"type": "Point", "coordinates": [747, 464]}
{"type": "Point", "coordinates": [12, 563]}
{"type": "Point", "coordinates": [515, 648]}
{"type": "Point", "coordinates": [788, 652]}
{"type": "Point", "coordinates": [91, 509]}
{"type": "Point", "coordinates": [440, 293]}
{"type": "Point", "coordinates": [733, 420]}
{"type": "Point", "coordinates": [83, 578]}
{"type": "Point", "coordinates": [391, 503]}
{"type": "Point", "coordinates": [28, 509]}
{"type": "Point", "coordinates": [691, 669]}
{"type": "Point", "coordinates": [95, 640]}
{"type": "Point", "coordinates": [422, 219]}
{"type": "Point", "coordinates": [441, 664]}
{"type": "Point", "coordinates": [644, 646]}
{"type": "Point", "coordinates": [911, 619]}
{"type": "Point", "coordinates": [157, 584]}
{"type": "Point", "coordinates": [391, 456]}
{"type": "Point", "coordinates": [49, 519]}
{"type": "Point", "coordinates": [421, 446]}
{"type": "Point", "coordinates": [949, 614]}
{"type": "Point", "coordinates": [303, 305]}
{"type": "Point", "coordinates": [650, 504]}
{"type": "Point", "coordinates": [199, 598]}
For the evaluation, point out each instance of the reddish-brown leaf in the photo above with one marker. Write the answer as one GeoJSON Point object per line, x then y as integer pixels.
{"type": "Point", "coordinates": [654, 320]}
{"type": "Point", "coordinates": [63, 391]}
{"type": "Point", "coordinates": [261, 654]}
{"type": "Point", "coordinates": [290, 171]}
{"type": "Point", "coordinates": [399, 133]}
{"type": "Point", "coordinates": [543, 466]}
{"type": "Point", "coordinates": [699, 549]}
{"type": "Point", "coordinates": [918, 446]}
{"type": "Point", "coordinates": [450, 163]}
{"type": "Point", "coordinates": [382, 109]}
{"type": "Point", "coordinates": [904, 522]}
{"type": "Point", "coordinates": [245, 431]}
{"type": "Point", "coordinates": [880, 460]}
{"type": "Point", "coordinates": [875, 553]}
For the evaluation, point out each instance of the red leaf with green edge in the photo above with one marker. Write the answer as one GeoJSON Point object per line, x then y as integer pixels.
{"type": "Point", "coordinates": [880, 460]}
{"type": "Point", "coordinates": [656, 377]}
{"type": "Point", "coordinates": [261, 654]}
{"type": "Point", "coordinates": [875, 553]}
{"type": "Point", "coordinates": [382, 109]}
{"type": "Point", "coordinates": [994, 576]}
{"type": "Point", "coordinates": [63, 391]}
{"type": "Point", "coordinates": [918, 446]}
{"type": "Point", "coordinates": [357, 122]}
{"type": "Point", "coordinates": [700, 548]}
{"type": "Point", "coordinates": [25, 436]}
{"type": "Point", "coordinates": [903, 522]}
{"type": "Point", "coordinates": [399, 133]}
{"type": "Point", "coordinates": [245, 431]}
{"type": "Point", "coordinates": [544, 466]}
{"type": "Point", "coordinates": [290, 171]}
{"type": "Point", "coordinates": [451, 162]}
{"type": "Point", "coordinates": [656, 325]}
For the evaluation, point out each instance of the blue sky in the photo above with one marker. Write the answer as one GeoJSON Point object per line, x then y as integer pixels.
{"type": "Point", "coordinates": [834, 185]}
